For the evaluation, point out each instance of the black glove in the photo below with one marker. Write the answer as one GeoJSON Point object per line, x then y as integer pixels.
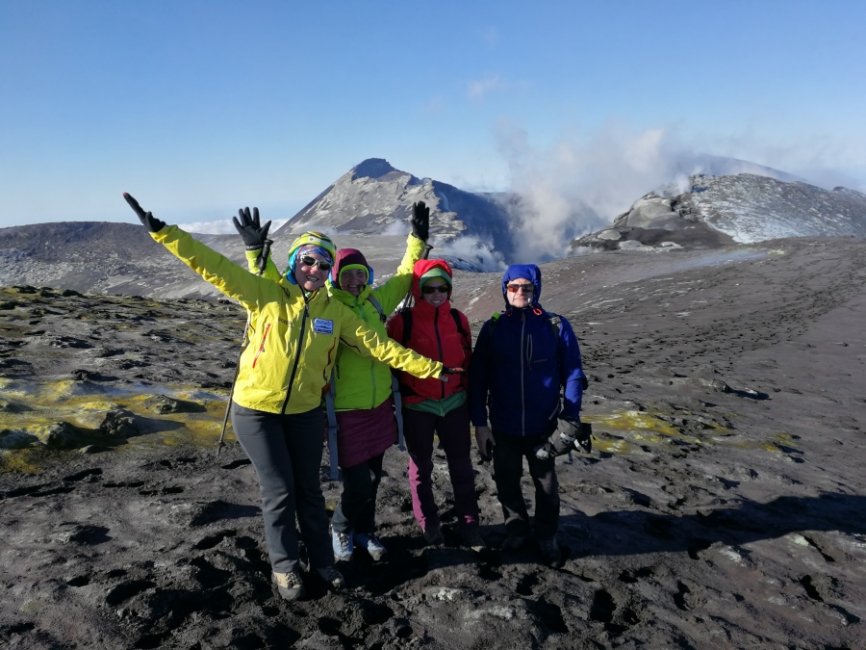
{"type": "Point", "coordinates": [584, 436]}
{"type": "Point", "coordinates": [571, 434]}
{"type": "Point", "coordinates": [420, 221]}
{"type": "Point", "coordinates": [147, 219]}
{"type": "Point", "coordinates": [449, 371]}
{"type": "Point", "coordinates": [250, 230]}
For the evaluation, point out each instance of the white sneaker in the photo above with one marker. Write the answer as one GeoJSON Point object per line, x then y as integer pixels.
{"type": "Point", "coordinates": [289, 585]}
{"type": "Point", "coordinates": [343, 545]}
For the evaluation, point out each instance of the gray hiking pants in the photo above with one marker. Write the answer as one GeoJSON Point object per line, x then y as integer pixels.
{"type": "Point", "coordinates": [286, 451]}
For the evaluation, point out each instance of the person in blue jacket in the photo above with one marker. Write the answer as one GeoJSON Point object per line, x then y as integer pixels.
{"type": "Point", "coordinates": [526, 379]}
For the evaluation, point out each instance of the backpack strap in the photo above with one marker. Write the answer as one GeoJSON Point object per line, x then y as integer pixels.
{"type": "Point", "coordinates": [406, 313]}
{"type": "Point", "coordinates": [378, 306]}
{"type": "Point", "coordinates": [455, 314]}
{"type": "Point", "coordinates": [556, 324]}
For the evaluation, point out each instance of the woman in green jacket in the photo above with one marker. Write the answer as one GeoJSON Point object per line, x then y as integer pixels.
{"type": "Point", "coordinates": [362, 386]}
{"type": "Point", "coordinates": [294, 333]}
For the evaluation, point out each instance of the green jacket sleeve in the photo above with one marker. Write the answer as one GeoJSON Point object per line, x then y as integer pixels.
{"type": "Point", "coordinates": [395, 289]}
{"type": "Point", "coordinates": [356, 334]}
{"type": "Point", "coordinates": [271, 271]}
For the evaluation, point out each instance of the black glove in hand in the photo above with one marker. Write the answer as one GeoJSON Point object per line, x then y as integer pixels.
{"type": "Point", "coordinates": [147, 219]}
{"type": "Point", "coordinates": [584, 436]}
{"type": "Point", "coordinates": [447, 372]}
{"type": "Point", "coordinates": [420, 221]}
{"type": "Point", "coordinates": [250, 229]}
{"type": "Point", "coordinates": [566, 438]}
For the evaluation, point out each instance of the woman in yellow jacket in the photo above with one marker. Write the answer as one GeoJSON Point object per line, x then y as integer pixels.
{"type": "Point", "coordinates": [294, 333]}
{"type": "Point", "coordinates": [362, 389]}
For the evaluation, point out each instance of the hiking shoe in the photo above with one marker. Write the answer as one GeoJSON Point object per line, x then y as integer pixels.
{"type": "Point", "coordinates": [514, 540]}
{"type": "Point", "coordinates": [331, 577]}
{"type": "Point", "coordinates": [550, 552]}
{"type": "Point", "coordinates": [471, 538]}
{"type": "Point", "coordinates": [371, 544]}
{"type": "Point", "coordinates": [433, 535]}
{"type": "Point", "coordinates": [343, 545]}
{"type": "Point", "coordinates": [289, 585]}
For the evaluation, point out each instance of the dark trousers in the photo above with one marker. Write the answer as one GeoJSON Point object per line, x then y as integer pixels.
{"type": "Point", "coordinates": [357, 509]}
{"type": "Point", "coordinates": [508, 455]}
{"type": "Point", "coordinates": [286, 452]}
{"type": "Point", "coordinates": [454, 438]}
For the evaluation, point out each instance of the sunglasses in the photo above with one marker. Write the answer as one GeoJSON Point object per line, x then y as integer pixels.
{"type": "Point", "coordinates": [525, 288]}
{"type": "Point", "coordinates": [312, 261]}
{"type": "Point", "coordinates": [442, 288]}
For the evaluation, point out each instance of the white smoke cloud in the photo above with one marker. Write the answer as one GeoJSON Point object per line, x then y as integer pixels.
{"type": "Point", "coordinates": [576, 185]}
{"type": "Point", "coordinates": [478, 255]}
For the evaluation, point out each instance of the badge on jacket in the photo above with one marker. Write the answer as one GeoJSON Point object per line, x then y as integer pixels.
{"type": "Point", "coordinates": [323, 326]}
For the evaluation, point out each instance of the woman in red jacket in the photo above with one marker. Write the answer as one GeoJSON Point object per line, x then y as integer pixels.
{"type": "Point", "coordinates": [433, 328]}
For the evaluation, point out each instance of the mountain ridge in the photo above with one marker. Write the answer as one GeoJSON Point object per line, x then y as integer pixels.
{"type": "Point", "coordinates": [369, 207]}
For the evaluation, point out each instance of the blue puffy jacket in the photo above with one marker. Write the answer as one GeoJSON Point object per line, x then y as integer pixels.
{"type": "Point", "coordinates": [526, 368]}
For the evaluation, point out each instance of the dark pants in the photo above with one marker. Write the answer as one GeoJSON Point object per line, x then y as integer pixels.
{"type": "Point", "coordinates": [286, 451]}
{"type": "Point", "coordinates": [357, 509]}
{"type": "Point", "coordinates": [454, 438]}
{"type": "Point", "coordinates": [508, 455]}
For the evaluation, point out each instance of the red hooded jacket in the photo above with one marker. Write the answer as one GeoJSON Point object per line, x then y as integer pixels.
{"type": "Point", "coordinates": [435, 334]}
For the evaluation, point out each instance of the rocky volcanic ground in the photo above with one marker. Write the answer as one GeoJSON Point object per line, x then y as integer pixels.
{"type": "Point", "coordinates": [722, 507]}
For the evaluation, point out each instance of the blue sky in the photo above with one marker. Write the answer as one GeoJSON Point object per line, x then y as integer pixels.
{"type": "Point", "coordinates": [200, 107]}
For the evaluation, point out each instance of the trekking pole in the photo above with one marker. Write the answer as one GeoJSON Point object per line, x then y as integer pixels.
{"type": "Point", "coordinates": [260, 263]}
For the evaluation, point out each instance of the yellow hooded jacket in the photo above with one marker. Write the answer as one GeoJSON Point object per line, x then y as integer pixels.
{"type": "Point", "coordinates": [362, 382]}
{"type": "Point", "coordinates": [293, 339]}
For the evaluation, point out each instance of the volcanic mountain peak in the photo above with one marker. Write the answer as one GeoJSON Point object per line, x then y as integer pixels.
{"type": "Point", "coordinates": [374, 198]}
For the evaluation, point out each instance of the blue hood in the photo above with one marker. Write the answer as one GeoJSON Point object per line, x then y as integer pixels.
{"type": "Point", "coordinates": [528, 271]}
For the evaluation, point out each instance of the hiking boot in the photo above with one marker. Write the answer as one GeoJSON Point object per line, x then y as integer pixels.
{"type": "Point", "coordinates": [289, 585]}
{"type": "Point", "coordinates": [471, 538]}
{"type": "Point", "coordinates": [343, 545]}
{"type": "Point", "coordinates": [370, 543]}
{"type": "Point", "coordinates": [433, 535]}
{"type": "Point", "coordinates": [514, 540]}
{"type": "Point", "coordinates": [331, 577]}
{"type": "Point", "coordinates": [550, 552]}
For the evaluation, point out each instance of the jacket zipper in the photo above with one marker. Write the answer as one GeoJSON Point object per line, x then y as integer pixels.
{"type": "Point", "coordinates": [522, 376]}
{"type": "Point", "coordinates": [297, 358]}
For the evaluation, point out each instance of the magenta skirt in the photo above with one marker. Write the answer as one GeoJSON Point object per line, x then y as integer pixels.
{"type": "Point", "coordinates": [365, 433]}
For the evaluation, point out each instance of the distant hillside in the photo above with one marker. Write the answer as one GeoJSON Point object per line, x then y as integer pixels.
{"type": "Point", "coordinates": [369, 207]}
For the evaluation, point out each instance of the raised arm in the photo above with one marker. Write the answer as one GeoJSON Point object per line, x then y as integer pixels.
{"type": "Point", "coordinates": [395, 289]}
{"type": "Point", "coordinates": [218, 270]}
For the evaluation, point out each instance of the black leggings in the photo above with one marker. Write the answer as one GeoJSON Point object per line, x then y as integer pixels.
{"type": "Point", "coordinates": [357, 509]}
